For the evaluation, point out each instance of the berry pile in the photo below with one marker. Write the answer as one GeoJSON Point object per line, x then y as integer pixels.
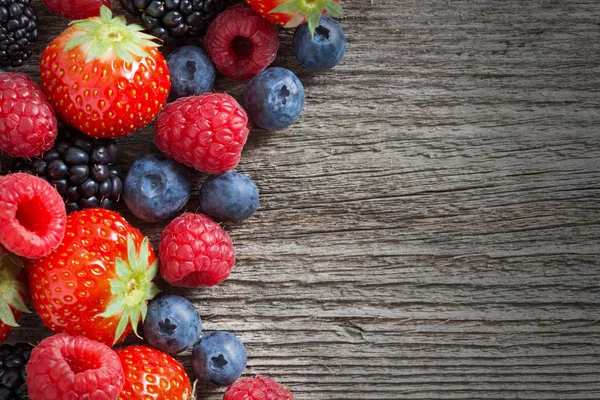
{"type": "Point", "coordinates": [87, 272]}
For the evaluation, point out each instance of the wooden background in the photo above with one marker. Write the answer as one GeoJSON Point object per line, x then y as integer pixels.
{"type": "Point", "coordinates": [430, 229]}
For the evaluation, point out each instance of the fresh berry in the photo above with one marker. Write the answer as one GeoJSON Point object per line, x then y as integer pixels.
{"type": "Point", "coordinates": [12, 295]}
{"type": "Point", "coordinates": [77, 9]}
{"type": "Point", "coordinates": [229, 197]}
{"type": "Point", "coordinates": [83, 170]}
{"type": "Point", "coordinates": [105, 78]}
{"type": "Point", "coordinates": [206, 132]}
{"type": "Point", "coordinates": [18, 31]}
{"type": "Point", "coordinates": [27, 121]}
{"type": "Point", "coordinates": [274, 98]}
{"type": "Point", "coordinates": [195, 251]}
{"type": "Point", "coordinates": [152, 374]}
{"type": "Point", "coordinates": [12, 370]}
{"type": "Point", "coordinates": [172, 324]}
{"type": "Point", "coordinates": [99, 280]}
{"type": "Point", "coordinates": [241, 43]}
{"type": "Point", "coordinates": [219, 358]}
{"type": "Point", "coordinates": [292, 13]}
{"type": "Point", "coordinates": [259, 388]}
{"type": "Point", "coordinates": [73, 367]}
{"type": "Point", "coordinates": [1, 71]}
{"type": "Point", "coordinates": [322, 51]}
{"type": "Point", "coordinates": [156, 188]}
{"type": "Point", "coordinates": [170, 20]}
{"type": "Point", "coordinates": [192, 72]}
{"type": "Point", "coordinates": [32, 216]}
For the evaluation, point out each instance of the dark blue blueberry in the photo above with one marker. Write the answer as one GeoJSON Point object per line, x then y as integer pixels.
{"type": "Point", "coordinates": [219, 358]}
{"type": "Point", "coordinates": [192, 71]}
{"type": "Point", "coordinates": [156, 188]}
{"type": "Point", "coordinates": [172, 324]}
{"type": "Point", "coordinates": [274, 98]}
{"type": "Point", "coordinates": [322, 51]}
{"type": "Point", "coordinates": [1, 71]}
{"type": "Point", "coordinates": [229, 197]}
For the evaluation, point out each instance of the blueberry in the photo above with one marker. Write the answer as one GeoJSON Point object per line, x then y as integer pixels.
{"type": "Point", "coordinates": [156, 188]}
{"type": "Point", "coordinates": [192, 71]}
{"type": "Point", "coordinates": [229, 197]}
{"type": "Point", "coordinates": [1, 71]}
{"type": "Point", "coordinates": [322, 51]}
{"type": "Point", "coordinates": [219, 358]}
{"type": "Point", "coordinates": [274, 98]}
{"type": "Point", "coordinates": [172, 324]}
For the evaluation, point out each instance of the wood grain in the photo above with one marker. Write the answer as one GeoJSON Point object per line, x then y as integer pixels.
{"type": "Point", "coordinates": [430, 229]}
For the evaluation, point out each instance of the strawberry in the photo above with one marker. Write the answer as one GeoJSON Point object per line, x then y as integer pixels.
{"type": "Point", "coordinates": [12, 292]}
{"type": "Point", "coordinates": [104, 77]}
{"type": "Point", "coordinates": [292, 13]}
{"type": "Point", "coordinates": [152, 374]}
{"type": "Point", "coordinates": [98, 281]}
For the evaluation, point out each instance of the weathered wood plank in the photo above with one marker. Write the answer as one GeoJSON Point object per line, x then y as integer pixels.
{"type": "Point", "coordinates": [430, 228]}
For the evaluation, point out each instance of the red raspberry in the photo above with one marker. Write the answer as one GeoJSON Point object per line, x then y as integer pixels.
{"type": "Point", "coordinates": [206, 132]}
{"type": "Point", "coordinates": [32, 216]}
{"type": "Point", "coordinates": [77, 9]}
{"type": "Point", "coordinates": [73, 367]}
{"type": "Point", "coordinates": [27, 121]}
{"type": "Point", "coordinates": [241, 43]}
{"type": "Point", "coordinates": [259, 388]}
{"type": "Point", "coordinates": [195, 251]}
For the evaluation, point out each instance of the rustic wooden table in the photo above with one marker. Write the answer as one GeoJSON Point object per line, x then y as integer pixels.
{"type": "Point", "coordinates": [430, 228]}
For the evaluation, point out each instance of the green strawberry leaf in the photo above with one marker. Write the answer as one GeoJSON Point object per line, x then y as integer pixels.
{"type": "Point", "coordinates": [132, 287]}
{"type": "Point", "coordinates": [286, 8]}
{"type": "Point", "coordinates": [313, 21]}
{"type": "Point", "coordinates": [334, 9]}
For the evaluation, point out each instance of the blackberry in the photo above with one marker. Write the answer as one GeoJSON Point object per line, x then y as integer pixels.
{"type": "Point", "coordinates": [18, 30]}
{"type": "Point", "coordinates": [83, 170]}
{"type": "Point", "coordinates": [12, 370]}
{"type": "Point", "coordinates": [170, 20]}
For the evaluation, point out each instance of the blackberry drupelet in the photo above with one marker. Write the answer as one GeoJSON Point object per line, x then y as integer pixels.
{"type": "Point", "coordinates": [170, 20]}
{"type": "Point", "coordinates": [82, 169]}
{"type": "Point", "coordinates": [12, 370]}
{"type": "Point", "coordinates": [18, 30]}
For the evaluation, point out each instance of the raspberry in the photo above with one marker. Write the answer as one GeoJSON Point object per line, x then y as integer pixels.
{"type": "Point", "coordinates": [27, 121]}
{"type": "Point", "coordinates": [77, 9]}
{"type": "Point", "coordinates": [32, 216]}
{"type": "Point", "coordinates": [74, 367]}
{"type": "Point", "coordinates": [241, 43]}
{"type": "Point", "coordinates": [195, 251]}
{"type": "Point", "coordinates": [259, 388]}
{"type": "Point", "coordinates": [206, 132]}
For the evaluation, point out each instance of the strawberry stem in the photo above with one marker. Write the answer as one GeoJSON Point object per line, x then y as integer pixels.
{"type": "Point", "coordinates": [12, 289]}
{"type": "Point", "coordinates": [309, 9]}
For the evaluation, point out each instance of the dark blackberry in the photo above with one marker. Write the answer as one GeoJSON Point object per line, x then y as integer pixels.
{"type": "Point", "coordinates": [12, 370]}
{"type": "Point", "coordinates": [83, 170]}
{"type": "Point", "coordinates": [170, 20]}
{"type": "Point", "coordinates": [18, 30]}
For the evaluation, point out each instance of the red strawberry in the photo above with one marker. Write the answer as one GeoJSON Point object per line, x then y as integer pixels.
{"type": "Point", "coordinates": [292, 13]}
{"type": "Point", "coordinates": [12, 292]}
{"type": "Point", "coordinates": [259, 388]}
{"type": "Point", "coordinates": [27, 121]}
{"type": "Point", "coordinates": [65, 367]}
{"type": "Point", "coordinates": [99, 280]}
{"type": "Point", "coordinates": [152, 374]}
{"type": "Point", "coordinates": [104, 77]}
{"type": "Point", "coordinates": [77, 9]}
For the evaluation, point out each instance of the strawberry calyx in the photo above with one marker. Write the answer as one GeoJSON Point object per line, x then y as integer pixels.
{"type": "Point", "coordinates": [133, 288]}
{"type": "Point", "coordinates": [12, 288]}
{"type": "Point", "coordinates": [105, 35]}
{"type": "Point", "coordinates": [309, 9]}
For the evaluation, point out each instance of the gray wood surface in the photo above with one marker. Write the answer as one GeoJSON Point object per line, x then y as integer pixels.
{"type": "Point", "coordinates": [430, 229]}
